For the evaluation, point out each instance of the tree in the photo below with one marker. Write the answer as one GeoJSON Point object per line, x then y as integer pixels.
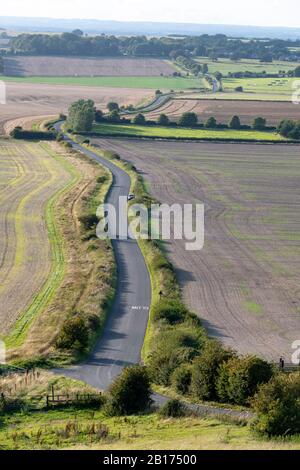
{"type": "Point", "coordinates": [240, 377]}
{"type": "Point", "coordinates": [218, 76]}
{"type": "Point", "coordinates": [98, 115]}
{"type": "Point", "coordinates": [235, 123]}
{"type": "Point", "coordinates": [285, 127]}
{"type": "Point", "coordinates": [297, 71]}
{"type": "Point", "coordinates": [130, 392]}
{"type": "Point", "coordinates": [81, 115]}
{"type": "Point", "coordinates": [211, 123]}
{"type": "Point", "coordinates": [163, 120]}
{"type": "Point", "coordinates": [139, 119]}
{"type": "Point", "coordinates": [277, 406]}
{"type": "Point", "coordinates": [188, 120]}
{"type": "Point", "coordinates": [239, 89]}
{"type": "Point", "coordinates": [112, 106]}
{"type": "Point", "coordinates": [206, 368]}
{"type": "Point", "coordinates": [77, 32]}
{"type": "Point", "coordinates": [259, 123]}
{"type": "Point", "coordinates": [74, 334]}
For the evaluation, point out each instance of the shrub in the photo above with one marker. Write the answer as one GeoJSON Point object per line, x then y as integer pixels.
{"type": "Point", "coordinates": [174, 346]}
{"type": "Point", "coordinates": [277, 406]}
{"type": "Point", "coordinates": [139, 119]}
{"type": "Point", "coordinates": [235, 123]}
{"type": "Point", "coordinates": [206, 368]}
{"type": "Point", "coordinates": [163, 120]}
{"type": "Point", "coordinates": [74, 334]}
{"type": "Point", "coordinates": [240, 377]}
{"type": "Point", "coordinates": [181, 379]}
{"type": "Point", "coordinates": [88, 221]}
{"type": "Point", "coordinates": [172, 311]}
{"type": "Point", "coordinates": [188, 120]}
{"type": "Point", "coordinates": [172, 409]}
{"type": "Point", "coordinates": [130, 393]}
{"type": "Point", "coordinates": [239, 89]}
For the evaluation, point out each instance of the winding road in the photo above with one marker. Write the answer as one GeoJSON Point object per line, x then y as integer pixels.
{"type": "Point", "coordinates": [121, 342]}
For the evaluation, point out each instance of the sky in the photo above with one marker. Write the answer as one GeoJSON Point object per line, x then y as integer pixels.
{"type": "Point", "coordinates": [240, 12]}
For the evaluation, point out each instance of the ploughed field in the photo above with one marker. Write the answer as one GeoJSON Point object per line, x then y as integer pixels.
{"type": "Point", "coordinates": [244, 284]}
{"type": "Point", "coordinates": [26, 66]}
{"type": "Point", "coordinates": [29, 177]}
{"type": "Point", "coordinates": [32, 99]}
{"type": "Point", "coordinates": [223, 110]}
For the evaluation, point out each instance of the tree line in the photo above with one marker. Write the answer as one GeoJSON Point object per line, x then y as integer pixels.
{"type": "Point", "coordinates": [212, 46]}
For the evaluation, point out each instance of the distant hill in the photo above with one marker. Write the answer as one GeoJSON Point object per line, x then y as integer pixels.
{"type": "Point", "coordinates": [143, 28]}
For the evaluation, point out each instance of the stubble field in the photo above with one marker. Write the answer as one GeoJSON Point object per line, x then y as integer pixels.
{"type": "Point", "coordinates": [244, 283]}
{"type": "Point", "coordinates": [30, 177]}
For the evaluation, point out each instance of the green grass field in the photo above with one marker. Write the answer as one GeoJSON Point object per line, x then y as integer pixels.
{"type": "Point", "coordinates": [282, 86]}
{"type": "Point", "coordinates": [245, 65]}
{"type": "Point", "coordinates": [183, 133]}
{"type": "Point", "coordinates": [163, 83]}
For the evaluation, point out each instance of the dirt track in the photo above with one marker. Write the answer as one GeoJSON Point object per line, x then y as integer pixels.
{"type": "Point", "coordinates": [28, 178]}
{"type": "Point", "coordinates": [244, 284]}
{"type": "Point", "coordinates": [223, 110]}
{"type": "Point", "coordinates": [24, 99]}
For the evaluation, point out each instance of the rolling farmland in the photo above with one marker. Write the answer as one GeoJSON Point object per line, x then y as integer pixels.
{"type": "Point", "coordinates": [223, 110]}
{"type": "Point", "coordinates": [30, 178]}
{"type": "Point", "coordinates": [244, 283]}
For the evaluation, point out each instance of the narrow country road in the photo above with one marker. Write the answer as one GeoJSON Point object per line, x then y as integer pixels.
{"type": "Point", "coordinates": [122, 339]}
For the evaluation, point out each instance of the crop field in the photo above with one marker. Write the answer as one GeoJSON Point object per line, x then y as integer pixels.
{"type": "Point", "coordinates": [244, 284]}
{"type": "Point", "coordinates": [30, 179]}
{"type": "Point", "coordinates": [137, 82]}
{"type": "Point", "coordinates": [246, 65]}
{"type": "Point", "coordinates": [182, 133]}
{"type": "Point", "coordinates": [223, 110]}
{"type": "Point", "coordinates": [26, 66]}
{"type": "Point", "coordinates": [32, 99]}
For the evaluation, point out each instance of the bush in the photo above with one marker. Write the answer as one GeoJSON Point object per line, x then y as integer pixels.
{"type": "Point", "coordinates": [172, 311]}
{"type": "Point", "coordinates": [163, 120]}
{"type": "Point", "coordinates": [239, 89]}
{"type": "Point", "coordinates": [130, 393]}
{"type": "Point", "coordinates": [277, 406]}
{"type": "Point", "coordinates": [19, 133]}
{"type": "Point", "coordinates": [114, 116]}
{"type": "Point", "coordinates": [181, 379]}
{"type": "Point", "coordinates": [88, 221]}
{"type": "Point", "coordinates": [206, 368]}
{"type": "Point", "coordinates": [240, 377]}
{"type": "Point", "coordinates": [139, 119]}
{"type": "Point", "coordinates": [172, 409]}
{"type": "Point", "coordinates": [188, 120]}
{"type": "Point", "coordinates": [74, 334]}
{"type": "Point", "coordinates": [174, 346]}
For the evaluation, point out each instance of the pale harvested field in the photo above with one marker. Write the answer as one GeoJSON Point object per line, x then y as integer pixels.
{"type": "Point", "coordinates": [25, 99]}
{"type": "Point", "coordinates": [223, 110]}
{"type": "Point", "coordinates": [244, 284]}
{"type": "Point", "coordinates": [29, 176]}
{"type": "Point", "coordinates": [85, 66]}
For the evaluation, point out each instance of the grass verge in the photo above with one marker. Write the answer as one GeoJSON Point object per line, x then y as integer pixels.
{"type": "Point", "coordinates": [159, 132]}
